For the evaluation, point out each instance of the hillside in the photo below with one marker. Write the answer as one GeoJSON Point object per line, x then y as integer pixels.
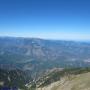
{"type": "Point", "coordinates": [13, 79]}
{"type": "Point", "coordinates": [73, 82]}
{"type": "Point", "coordinates": [56, 79]}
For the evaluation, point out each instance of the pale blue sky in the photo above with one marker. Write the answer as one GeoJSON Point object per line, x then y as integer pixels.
{"type": "Point", "coordinates": [50, 19]}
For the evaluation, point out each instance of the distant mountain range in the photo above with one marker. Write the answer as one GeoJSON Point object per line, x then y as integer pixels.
{"type": "Point", "coordinates": [34, 53]}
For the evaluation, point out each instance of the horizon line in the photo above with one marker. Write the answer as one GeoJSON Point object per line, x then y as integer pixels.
{"type": "Point", "coordinates": [53, 39]}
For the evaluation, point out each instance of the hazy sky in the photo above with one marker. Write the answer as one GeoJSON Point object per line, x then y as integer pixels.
{"type": "Point", "coordinates": [50, 19]}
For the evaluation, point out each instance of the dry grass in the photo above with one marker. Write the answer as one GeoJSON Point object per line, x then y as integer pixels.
{"type": "Point", "coordinates": [78, 82]}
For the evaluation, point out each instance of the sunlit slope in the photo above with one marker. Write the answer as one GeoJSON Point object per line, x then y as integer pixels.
{"type": "Point", "coordinates": [74, 82]}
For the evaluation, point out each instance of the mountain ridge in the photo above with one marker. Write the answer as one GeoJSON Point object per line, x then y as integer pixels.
{"type": "Point", "coordinates": [25, 50]}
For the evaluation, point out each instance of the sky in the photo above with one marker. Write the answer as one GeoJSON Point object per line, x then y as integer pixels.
{"type": "Point", "coordinates": [48, 19]}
